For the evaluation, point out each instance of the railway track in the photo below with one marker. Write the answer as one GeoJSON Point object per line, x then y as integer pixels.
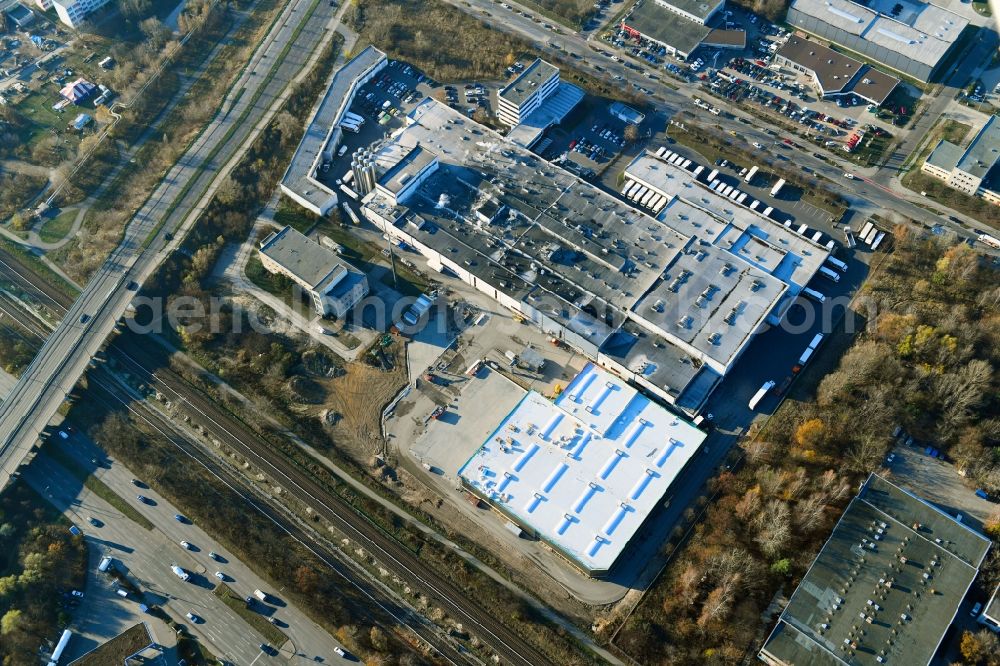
{"type": "Point", "coordinates": [373, 602]}
{"type": "Point", "coordinates": [238, 436]}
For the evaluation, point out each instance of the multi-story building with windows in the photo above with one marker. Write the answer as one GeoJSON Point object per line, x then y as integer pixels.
{"type": "Point", "coordinates": [74, 12]}
{"type": "Point", "coordinates": [333, 286]}
{"type": "Point", "coordinates": [527, 92]}
{"type": "Point", "coordinates": [970, 170]}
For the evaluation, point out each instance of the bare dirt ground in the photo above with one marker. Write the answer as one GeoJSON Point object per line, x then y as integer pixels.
{"type": "Point", "coordinates": [358, 397]}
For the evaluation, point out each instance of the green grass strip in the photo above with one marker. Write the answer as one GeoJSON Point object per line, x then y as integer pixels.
{"type": "Point", "coordinates": [256, 621]}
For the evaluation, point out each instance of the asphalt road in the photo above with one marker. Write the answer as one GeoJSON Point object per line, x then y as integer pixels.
{"type": "Point", "coordinates": [146, 557]}
{"type": "Point", "coordinates": [865, 200]}
{"type": "Point", "coordinates": [380, 606]}
{"type": "Point", "coordinates": [53, 373]}
{"type": "Point", "coordinates": [979, 52]}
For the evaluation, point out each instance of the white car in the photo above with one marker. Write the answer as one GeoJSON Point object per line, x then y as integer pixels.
{"type": "Point", "coordinates": [185, 545]}
{"type": "Point", "coordinates": [756, 144]}
{"type": "Point", "coordinates": [220, 575]}
{"type": "Point", "coordinates": [194, 618]}
{"type": "Point", "coordinates": [340, 651]}
{"type": "Point", "coordinates": [62, 433]}
{"type": "Point", "coordinates": [849, 176]}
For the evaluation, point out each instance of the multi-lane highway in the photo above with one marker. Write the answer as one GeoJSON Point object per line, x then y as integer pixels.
{"type": "Point", "coordinates": [300, 32]}
{"type": "Point", "coordinates": [147, 557]}
{"type": "Point", "coordinates": [223, 427]}
{"type": "Point", "coordinates": [865, 196]}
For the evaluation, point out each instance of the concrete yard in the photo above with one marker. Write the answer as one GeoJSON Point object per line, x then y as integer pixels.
{"type": "Point", "coordinates": [447, 442]}
{"type": "Point", "coordinates": [939, 483]}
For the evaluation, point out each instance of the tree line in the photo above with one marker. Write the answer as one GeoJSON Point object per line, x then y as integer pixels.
{"type": "Point", "coordinates": [925, 360]}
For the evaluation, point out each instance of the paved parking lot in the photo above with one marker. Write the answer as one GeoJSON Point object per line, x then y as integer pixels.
{"type": "Point", "coordinates": [383, 103]}
{"type": "Point", "coordinates": [591, 137]}
{"type": "Point", "coordinates": [938, 482]}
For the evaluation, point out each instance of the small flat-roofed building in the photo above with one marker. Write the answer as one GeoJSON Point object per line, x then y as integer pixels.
{"type": "Point", "coordinates": [971, 170]}
{"type": "Point", "coordinates": [20, 16]}
{"type": "Point", "coordinates": [834, 74]}
{"type": "Point", "coordinates": [885, 587]}
{"type": "Point", "coordinates": [585, 472]}
{"type": "Point", "coordinates": [908, 36]}
{"type": "Point", "coordinates": [696, 11]}
{"type": "Point", "coordinates": [626, 114]}
{"type": "Point", "coordinates": [526, 93]}
{"type": "Point", "coordinates": [334, 286]}
{"type": "Point", "coordinates": [990, 617]}
{"type": "Point", "coordinates": [405, 168]}
{"type": "Point", "coordinates": [323, 133]}
{"type": "Point", "coordinates": [680, 26]}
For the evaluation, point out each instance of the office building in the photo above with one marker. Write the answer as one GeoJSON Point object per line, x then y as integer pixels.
{"type": "Point", "coordinates": [582, 473]}
{"type": "Point", "coordinates": [333, 286]}
{"type": "Point", "coordinates": [526, 93]}
{"type": "Point", "coordinates": [833, 74]}
{"type": "Point", "coordinates": [970, 170]}
{"type": "Point", "coordinates": [908, 36]}
{"type": "Point", "coordinates": [670, 302]}
{"type": "Point", "coordinates": [74, 12]}
{"type": "Point", "coordinates": [885, 587]}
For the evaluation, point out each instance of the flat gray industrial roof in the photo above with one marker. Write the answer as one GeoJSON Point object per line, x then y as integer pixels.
{"type": "Point", "coordinates": [838, 73]}
{"type": "Point", "coordinates": [299, 175]}
{"type": "Point", "coordinates": [887, 583]}
{"type": "Point", "coordinates": [711, 301]}
{"type": "Point", "coordinates": [945, 155]}
{"type": "Point", "coordinates": [528, 81]}
{"type": "Point", "coordinates": [655, 360]}
{"type": "Point", "coordinates": [723, 37]}
{"type": "Point", "coordinates": [984, 150]}
{"type": "Point", "coordinates": [922, 32]}
{"type": "Point", "coordinates": [664, 26]}
{"type": "Point", "coordinates": [309, 261]}
{"type": "Point", "coordinates": [409, 166]}
{"type": "Point", "coordinates": [697, 211]}
{"type": "Point", "coordinates": [700, 8]}
{"type": "Point", "coordinates": [583, 257]}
